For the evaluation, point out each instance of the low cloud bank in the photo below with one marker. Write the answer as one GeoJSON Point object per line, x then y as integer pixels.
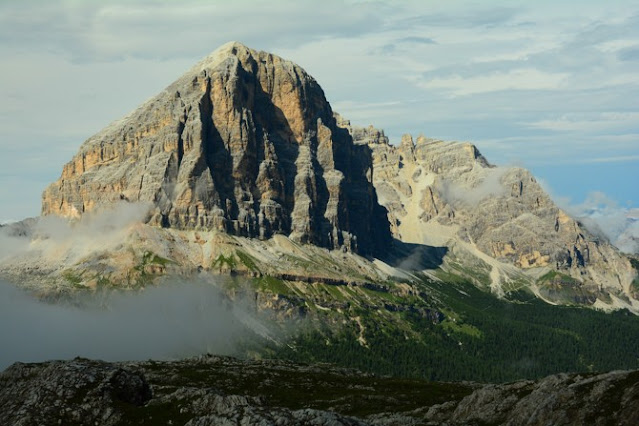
{"type": "Point", "coordinates": [64, 240]}
{"type": "Point", "coordinates": [164, 322]}
{"type": "Point", "coordinates": [490, 186]}
{"type": "Point", "coordinates": [604, 217]}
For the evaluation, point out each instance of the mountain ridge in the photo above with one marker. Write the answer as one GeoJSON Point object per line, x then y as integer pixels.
{"type": "Point", "coordinates": [442, 193]}
{"type": "Point", "coordinates": [82, 391]}
{"type": "Point", "coordinates": [246, 143]}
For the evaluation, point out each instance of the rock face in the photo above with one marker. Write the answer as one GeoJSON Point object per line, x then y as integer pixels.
{"type": "Point", "coordinates": [440, 192]}
{"type": "Point", "coordinates": [245, 143]}
{"type": "Point", "coordinates": [224, 391]}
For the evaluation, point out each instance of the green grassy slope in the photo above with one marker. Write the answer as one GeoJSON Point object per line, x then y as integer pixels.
{"type": "Point", "coordinates": [480, 338]}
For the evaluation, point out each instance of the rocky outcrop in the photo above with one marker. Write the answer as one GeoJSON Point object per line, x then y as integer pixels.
{"type": "Point", "coordinates": [244, 143]}
{"type": "Point", "coordinates": [569, 399]}
{"type": "Point", "coordinates": [76, 392]}
{"type": "Point", "coordinates": [218, 391]}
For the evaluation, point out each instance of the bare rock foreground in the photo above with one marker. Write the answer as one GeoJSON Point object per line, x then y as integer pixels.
{"type": "Point", "coordinates": [209, 391]}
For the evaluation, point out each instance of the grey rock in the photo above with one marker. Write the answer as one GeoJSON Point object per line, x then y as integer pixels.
{"type": "Point", "coordinates": [245, 143]}
{"type": "Point", "coordinates": [503, 212]}
{"type": "Point", "coordinates": [610, 398]}
{"type": "Point", "coordinates": [75, 392]}
{"type": "Point", "coordinates": [208, 391]}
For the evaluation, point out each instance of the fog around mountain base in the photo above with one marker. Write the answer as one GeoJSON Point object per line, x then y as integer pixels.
{"type": "Point", "coordinates": [64, 240]}
{"type": "Point", "coordinates": [169, 321]}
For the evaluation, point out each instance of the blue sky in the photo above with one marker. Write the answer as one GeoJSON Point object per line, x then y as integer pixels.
{"type": "Point", "coordinates": [551, 86]}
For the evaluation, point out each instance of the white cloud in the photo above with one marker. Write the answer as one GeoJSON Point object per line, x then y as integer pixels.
{"type": "Point", "coordinates": [604, 217]}
{"type": "Point", "coordinates": [590, 122]}
{"type": "Point", "coordinates": [619, 159]}
{"type": "Point", "coordinates": [616, 45]}
{"type": "Point", "coordinates": [517, 79]}
{"type": "Point", "coordinates": [490, 186]}
{"type": "Point", "coordinates": [58, 240]}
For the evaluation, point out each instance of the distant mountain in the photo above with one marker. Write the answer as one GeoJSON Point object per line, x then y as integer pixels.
{"type": "Point", "coordinates": [501, 228]}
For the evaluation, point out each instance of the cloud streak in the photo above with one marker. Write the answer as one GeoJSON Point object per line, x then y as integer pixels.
{"type": "Point", "coordinates": [517, 79]}
{"type": "Point", "coordinates": [590, 122]}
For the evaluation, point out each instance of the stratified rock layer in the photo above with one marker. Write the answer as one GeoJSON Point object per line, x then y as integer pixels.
{"type": "Point", "coordinates": [245, 143]}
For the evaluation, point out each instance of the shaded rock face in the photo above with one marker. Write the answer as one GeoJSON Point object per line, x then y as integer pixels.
{"type": "Point", "coordinates": [244, 143]}
{"type": "Point", "coordinates": [569, 399]}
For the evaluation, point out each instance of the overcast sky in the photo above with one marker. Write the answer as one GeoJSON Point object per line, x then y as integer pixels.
{"type": "Point", "coordinates": [549, 85]}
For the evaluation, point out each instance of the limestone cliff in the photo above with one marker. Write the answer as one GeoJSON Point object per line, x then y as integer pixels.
{"type": "Point", "coordinates": [245, 143]}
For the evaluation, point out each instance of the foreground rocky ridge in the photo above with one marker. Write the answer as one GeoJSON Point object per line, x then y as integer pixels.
{"type": "Point", "coordinates": [218, 391]}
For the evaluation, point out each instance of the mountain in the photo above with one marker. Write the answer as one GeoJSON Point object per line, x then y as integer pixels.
{"type": "Point", "coordinates": [408, 260]}
{"type": "Point", "coordinates": [502, 228]}
{"type": "Point", "coordinates": [244, 143]}
{"type": "Point", "coordinates": [208, 391]}
{"type": "Point", "coordinates": [628, 241]}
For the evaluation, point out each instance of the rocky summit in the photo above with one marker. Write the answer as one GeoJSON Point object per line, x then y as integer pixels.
{"type": "Point", "coordinates": [244, 143]}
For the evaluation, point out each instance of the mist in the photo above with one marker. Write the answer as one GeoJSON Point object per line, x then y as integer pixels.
{"type": "Point", "coordinates": [600, 214]}
{"type": "Point", "coordinates": [490, 186]}
{"type": "Point", "coordinates": [168, 321]}
{"type": "Point", "coordinates": [604, 217]}
{"type": "Point", "coordinates": [54, 238]}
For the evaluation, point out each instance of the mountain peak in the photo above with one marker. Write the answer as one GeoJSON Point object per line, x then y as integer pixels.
{"type": "Point", "coordinates": [222, 53]}
{"type": "Point", "coordinates": [244, 143]}
{"type": "Point", "coordinates": [247, 57]}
